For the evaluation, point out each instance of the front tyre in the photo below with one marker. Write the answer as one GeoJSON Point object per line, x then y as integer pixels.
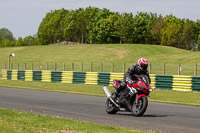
{"type": "Point", "coordinates": [110, 107]}
{"type": "Point", "coordinates": [140, 108]}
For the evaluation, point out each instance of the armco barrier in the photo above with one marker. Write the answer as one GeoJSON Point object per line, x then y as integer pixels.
{"type": "Point", "coordinates": [171, 82]}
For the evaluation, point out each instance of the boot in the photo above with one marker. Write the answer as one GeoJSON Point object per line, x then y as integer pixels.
{"type": "Point", "coordinates": [115, 95]}
{"type": "Point", "coordinates": [117, 92]}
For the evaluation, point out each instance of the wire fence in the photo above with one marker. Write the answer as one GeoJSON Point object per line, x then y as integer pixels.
{"type": "Point", "coordinates": [162, 69]}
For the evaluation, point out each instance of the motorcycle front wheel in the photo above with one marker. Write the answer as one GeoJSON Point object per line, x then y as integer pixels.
{"type": "Point", "coordinates": [140, 108]}
{"type": "Point", "coordinates": [110, 107]}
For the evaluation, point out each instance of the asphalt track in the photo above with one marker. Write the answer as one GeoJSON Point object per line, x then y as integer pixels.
{"type": "Point", "coordinates": [158, 117]}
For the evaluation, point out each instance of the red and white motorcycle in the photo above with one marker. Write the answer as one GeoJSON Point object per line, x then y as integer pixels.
{"type": "Point", "coordinates": [136, 97]}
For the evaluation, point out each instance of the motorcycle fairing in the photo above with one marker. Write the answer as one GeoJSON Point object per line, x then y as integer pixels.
{"type": "Point", "coordinates": [141, 95]}
{"type": "Point", "coordinates": [116, 83]}
{"type": "Point", "coordinates": [140, 85]}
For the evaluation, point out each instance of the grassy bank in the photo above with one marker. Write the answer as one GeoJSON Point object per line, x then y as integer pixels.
{"type": "Point", "coordinates": [107, 53]}
{"type": "Point", "coordinates": [102, 53]}
{"type": "Point", "coordinates": [24, 122]}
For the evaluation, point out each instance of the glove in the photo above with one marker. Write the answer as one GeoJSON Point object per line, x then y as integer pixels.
{"type": "Point", "coordinates": [129, 80]}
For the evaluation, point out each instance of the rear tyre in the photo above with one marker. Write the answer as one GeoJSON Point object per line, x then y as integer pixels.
{"type": "Point", "coordinates": [110, 107]}
{"type": "Point", "coordinates": [140, 108]}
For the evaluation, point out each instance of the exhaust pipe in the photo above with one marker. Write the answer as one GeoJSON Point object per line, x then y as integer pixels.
{"type": "Point", "coordinates": [108, 95]}
{"type": "Point", "coordinates": [106, 91]}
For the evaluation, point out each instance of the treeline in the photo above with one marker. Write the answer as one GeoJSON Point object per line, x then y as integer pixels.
{"type": "Point", "coordinates": [7, 39]}
{"type": "Point", "coordinates": [101, 26]}
{"type": "Point", "coordinates": [93, 25]}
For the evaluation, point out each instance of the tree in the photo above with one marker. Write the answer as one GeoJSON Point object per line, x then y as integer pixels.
{"type": "Point", "coordinates": [188, 40]}
{"type": "Point", "coordinates": [156, 30]}
{"type": "Point", "coordinates": [6, 38]}
{"type": "Point", "coordinates": [172, 31]}
{"type": "Point", "coordinates": [93, 14]}
{"type": "Point", "coordinates": [6, 33]}
{"type": "Point", "coordinates": [29, 41]}
{"type": "Point", "coordinates": [142, 24]}
{"type": "Point", "coordinates": [19, 42]}
{"type": "Point", "coordinates": [124, 27]}
{"type": "Point", "coordinates": [94, 25]}
{"type": "Point", "coordinates": [50, 29]}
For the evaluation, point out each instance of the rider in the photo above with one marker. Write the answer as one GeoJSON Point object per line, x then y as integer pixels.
{"type": "Point", "coordinates": [139, 68]}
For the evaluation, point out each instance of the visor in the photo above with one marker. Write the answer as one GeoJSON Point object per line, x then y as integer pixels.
{"type": "Point", "coordinates": [144, 67]}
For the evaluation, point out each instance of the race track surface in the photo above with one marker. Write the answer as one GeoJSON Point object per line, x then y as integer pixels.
{"type": "Point", "coordinates": [165, 118]}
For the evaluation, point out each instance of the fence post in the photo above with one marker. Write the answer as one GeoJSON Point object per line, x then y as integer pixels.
{"type": "Point", "coordinates": [91, 67]}
{"type": "Point", "coordinates": [195, 69]}
{"type": "Point", "coordinates": [63, 66]}
{"type": "Point", "coordinates": [150, 68]}
{"type": "Point", "coordinates": [72, 66]}
{"type": "Point", "coordinates": [8, 61]}
{"type": "Point", "coordinates": [179, 69]}
{"type": "Point", "coordinates": [24, 66]}
{"type": "Point", "coordinates": [113, 67]}
{"type": "Point", "coordinates": [47, 66]}
{"type": "Point", "coordinates": [81, 67]}
{"type": "Point", "coordinates": [55, 66]}
{"type": "Point", "coordinates": [32, 66]}
{"type": "Point", "coordinates": [40, 67]}
{"type": "Point", "coordinates": [124, 67]}
{"type": "Point", "coordinates": [11, 66]}
{"type": "Point", "coordinates": [164, 69]}
{"type": "Point", "coordinates": [101, 67]}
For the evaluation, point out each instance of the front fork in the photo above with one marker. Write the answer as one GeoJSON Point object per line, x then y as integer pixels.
{"type": "Point", "coordinates": [138, 96]}
{"type": "Point", "coordinates": [136, 99]}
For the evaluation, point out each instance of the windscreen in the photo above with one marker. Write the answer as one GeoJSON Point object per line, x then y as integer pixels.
{"type": "Point", "coordinates": [144, 78]}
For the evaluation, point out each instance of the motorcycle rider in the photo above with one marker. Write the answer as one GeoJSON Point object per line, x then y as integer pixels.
{"type": "Point", "coordinates": [138, 69]}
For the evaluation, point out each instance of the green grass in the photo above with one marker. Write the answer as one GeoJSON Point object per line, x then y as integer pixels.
{"type": "Point", "coordinates": [164, 96]}
{"type": "Point", "coordinates": [23, 122]}
{"type": "Point", "coordinates": [106, 53]}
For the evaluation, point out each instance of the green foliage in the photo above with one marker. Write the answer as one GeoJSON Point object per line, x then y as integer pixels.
{"type": "Point", "coordinates": [124, 28]}
{"type": "Point", "coordinates": [29, 41]}
{"type": "Point", "coordinates": [19, 41]}
{"type": "Point", "coordinates": [6, 38]}
{"type": "Point", "coordinates": [94, 25]}
{"type": "Point", "coordinates": [6, 33]}
{"type": "Point", "coordinates": [101, 26]}
{"type": "Point", "coordinates": [156, 30]}
{"type": "Point", "coordinates": [171, 31]}
{"type": "Point", "coordinates": [142, 24]}
{"type": "Point", "coordinates": [50, 30]}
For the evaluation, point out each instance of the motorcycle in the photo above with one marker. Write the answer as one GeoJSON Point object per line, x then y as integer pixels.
{"type": "Point", "coordinates": [135, 96]}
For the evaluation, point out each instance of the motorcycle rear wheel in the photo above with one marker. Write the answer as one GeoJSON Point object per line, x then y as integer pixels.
{"type": "Point", "coordinates": [110, 107]}
{"type": "Point", "coordinates": [140, 108]}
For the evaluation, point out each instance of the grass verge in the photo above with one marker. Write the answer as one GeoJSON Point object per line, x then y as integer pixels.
{"type": "Point", "coordinates": [24, 122]}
